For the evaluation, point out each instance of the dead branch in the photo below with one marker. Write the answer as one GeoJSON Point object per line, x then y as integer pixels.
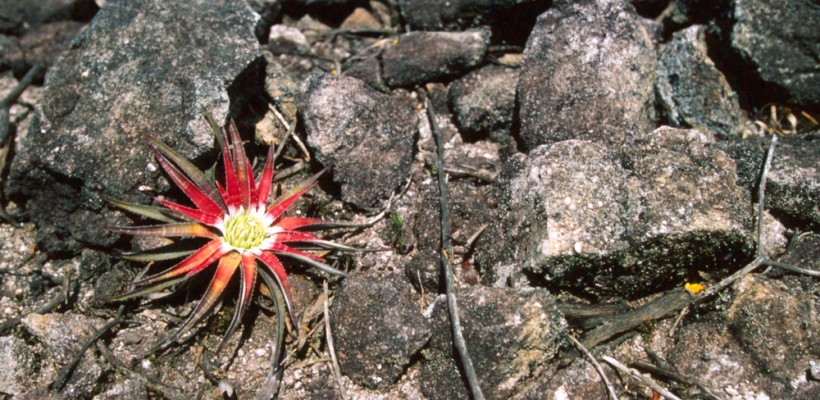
{"type": "Point", "coordinates": [643, 379]}
{"type": "Point", "coordinates": [337, 372]}
{"type": "Point", "coordinates": [446, 250]}
{"type": "Point", "coordinates": [609, 389]}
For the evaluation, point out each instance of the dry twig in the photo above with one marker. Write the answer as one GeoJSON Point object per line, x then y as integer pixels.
{"type": "Point", "coordinates": [446, 250]}
{"type": "Point", "coordinates": [337, 372]}
{"type": "Point", "coordinates": [643, 379]}
{"type": "Point", "coordinates": [609, 389]}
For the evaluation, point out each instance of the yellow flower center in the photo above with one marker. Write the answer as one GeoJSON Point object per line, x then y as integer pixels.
{"type": "Point", "coordinates": [244, 231]}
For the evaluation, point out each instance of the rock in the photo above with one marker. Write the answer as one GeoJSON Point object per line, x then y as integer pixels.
{"type": "Point", "coordinates": [282, 89]}
{"type": "Point", "coordinates": [269, 11]}
{"type": "Point", "coordinates": [792, 194]}
{"type": "Point", "coordinates": [18, 16]}
{"type": "Point", "coordinates": [285, 39]}
{"type": "Point", "coordinates": [583, 217]}
{"type": "Point", "coordinates": [778, 39]}
{"type": "Point", "coordinates": [420, 57]}
{"type": "Point", "coordinates": [588, 72]}
{"type": "Point", "coordinates": [360, 18]}
{"type": "Point", "coordinates": [19, 363]}
{"type": "Point", "coordinates": [693, 92]}
{"type": "Point", "coordinates": [761, 347]}
{"type": "Point", "coordinates": [512, 336]}
{"type": "Point", "coordinates": [367, 136]}
{"type": "Point", "coordinates": [777, 328]}
{"type": "Point", "coordinates": [456, 15]}
{"type": "Point", "coordinates": [41, 44]}
{"type": "Point", "coordinates": [377, 327]}
{"type": "Point", "coordinates": [483, 102]}
{"type": "Point", "coordinates": [63, 335]}
{"type": "Point", "coordinates": [131, 72]}
{"type": "Point", "coordinates": [127, 390]}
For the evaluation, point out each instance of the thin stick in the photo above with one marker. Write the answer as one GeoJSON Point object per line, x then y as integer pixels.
{"type": "Point", "coordinates": [652, 369]}
{"type": "Point", "coordinates": [12, 97]}
{"type": "Point", "coordinates": [804, 271]}
{"type": "Point", "coordinates": [609, 389]}
{"type": "Point", "coordinates": [291, 129]}
{"type": "Point", "coordinates": [643, 379]}
{"type": "Point", "coordinates": [761, 193]}
{"type": "Point", "coordinates": [330, 349]}
{"type": "Point", "coordinates": [449, 284]}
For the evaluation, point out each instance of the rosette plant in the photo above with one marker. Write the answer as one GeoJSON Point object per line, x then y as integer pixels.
{"type": "Point", "coordinates": [242, 232]}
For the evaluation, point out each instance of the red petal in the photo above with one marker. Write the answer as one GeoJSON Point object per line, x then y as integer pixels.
{"type": "Point", "coordinates": [265, 180]}
{"type": "Point", "coordinates": [224, 272]}
{"type": "Point", "coordinates": [202, 201]}
{"type": "Point", "coordinates": [240, 161]}
{"type": "Point", "coordinates": [292, 223]}
{"type": "Point", "coordinates": [231, 184]}
{"type": "Point", "coordinates": [195, 262]}
{"type": "Point", "coordinates": [205, 218]}
{"type": "Point", "coordinates": [275, 266]}
{"type": "Point", "coordinates": [276, 209]}
{"type": "Point", "coordinates": [287, 237]}
{"type": "Point", "coordinates": [246, 289]}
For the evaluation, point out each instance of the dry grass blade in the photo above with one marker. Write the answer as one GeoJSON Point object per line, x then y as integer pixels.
{"type": "Point", "coordinates": [643, 379]}
{"type": "Point", "coordinates": [330, 348]}
{"type": "Point", "coordinates": [609, 389]}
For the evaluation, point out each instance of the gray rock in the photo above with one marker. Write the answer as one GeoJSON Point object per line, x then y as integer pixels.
{"type": "Point", "coordinates": [420, 57]}
{"type": "Point", "coordinates": [792, 193]}
{"type": "Point", "coordinates": [282, 89]}
{"type": "Point", "coordinates": [41, 44]}
{"type": "Point", "coordinates": [512, 335]}
{"type": "Point", "coordinates": [131, 72]}
{"type": "Point", "coordinates": [779, 38]}
{"type": "Point", "coordinates": [583, 217]}
{"type": "Point", "coordinates": [18, 365]}
{"type": "Point", "coordinates": [588, 72]}
{"type": "Point", "coordinates": [63, 335]}
{"type": "Point", "coordinates": [367, 136]}
{"type": "Point", "coordinates": [483, 102]}
{"type": "Point", "coordinates": [431, 15]}
{"type": "Point", "coordinates": [693, 92]}
{"type": "Point", "coordinates": [377, 327]}
{"type": "Point", "coordinates": [18, 15]}
{"type": "Point", "coordinates": [127, 390]}
{"type": "Point", "coordinates": [760, 347]}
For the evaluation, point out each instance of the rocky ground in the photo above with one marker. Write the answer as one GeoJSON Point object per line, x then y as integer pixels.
{"type": "Point", "coordinates": [603, 157]}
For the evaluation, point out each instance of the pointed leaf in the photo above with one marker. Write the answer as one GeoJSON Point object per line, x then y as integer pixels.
{"type": "Point", "coordinates": [196, 176]}
{"type": "Point", "coordinates": [155, 213]}
{"type": "Point", "coordinates": [265, 180]}
{"type": "Point", "coordinates": [197, 215]}
{"type": "Point", "coordinates": [241, 163]}
{"type": "Point", "coordinates": [170, 230]}
{"type": "Point", "coordinates": [279, 207]}
{"type": "Point", "coordinates": [247, 281]}
{"type": "Point", "coordinates": [195, 262]}
{"type": "Point", "coordinates": [278, 271]}
{"type": "Point", "coordinates": [197, 196]}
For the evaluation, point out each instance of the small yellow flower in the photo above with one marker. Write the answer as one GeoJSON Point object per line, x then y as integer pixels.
{"type": "Point", "coordinates": [694, 288]}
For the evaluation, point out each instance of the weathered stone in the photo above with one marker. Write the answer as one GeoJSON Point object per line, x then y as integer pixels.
{"type": "Point", "coordinates": [778, 38]}
{"type": "Point", "coordinates": [282, 89]}
{"type": "Point", "coordinates": [17, 366]}
{"type": "Point", "coordinates": [694, 93]}
{"type": "Point", "coordinates": [367, 136]}
{"type": "Point", "coordinates": [583, 217]}
{"type": "Point", "coordinates": [457, 15]}
{"type": "Point", "coordinates": [588, 72]}
{"type": "Point", "coordinates": [376, 342]}
{"type": "Point", "coordinates": [40, 45]}
{"type": "Point", "coordinates": [360, 18]}
{"type": "Point", "coordinates": [420, 57]}
{"type": "Point", "coordinates": [127, 390]}
{"type": "Point", "coordinates": [285, 39]}
{"type": "Point", "coordinates": [512, 335]}
{"type": "Point", "coordinates": [131, 72]}
{"type": "Point", "coordinates": [483, 102]}
{"type": "Point", "coordinates": [792, 193]}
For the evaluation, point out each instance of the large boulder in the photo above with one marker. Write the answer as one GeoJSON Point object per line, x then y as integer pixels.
{"type": "Point", "coordinates": [132, 72]}
{"type": "Point", "coordinates": [588, 72]}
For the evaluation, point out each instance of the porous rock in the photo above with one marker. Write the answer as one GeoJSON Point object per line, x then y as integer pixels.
{"type": "Point", "coordinates": [512, 335]}
{"type": "Point", "coordinates": [18, 364]}
{"type": "Point", "coordinates": [778, 38]}
{"type": "Point", "coordinates": [584, 217]}
{"type": "Point", "coordinates": [588, 72]}
{"type": "Point", "coordinates": [420, 57]}
{"type": "Point", "coordinates": [483, 102]}
{"type": "Point", "coordinates": [693, 92]}
{"type": "Point", "coordinates": [130, 73]}
{"type": "Point", "coordinates": [792, 193]}
{"type": "Point", "coordinates": [377, 328]}
{"type": "Point", "coordinates": [367, 136]}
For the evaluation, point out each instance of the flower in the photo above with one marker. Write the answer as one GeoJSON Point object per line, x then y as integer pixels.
{"type": "Point", "coordinates": [244, 233]}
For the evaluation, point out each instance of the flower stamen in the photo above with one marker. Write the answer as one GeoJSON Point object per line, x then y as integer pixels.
{"type": "Point", "coordinates": [244, 231]}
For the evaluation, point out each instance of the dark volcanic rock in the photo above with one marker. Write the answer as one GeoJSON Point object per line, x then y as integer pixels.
{"type": "Point", "coordinates": [41, 44]}
{"type": "Point", "coordinates": [582, 217]}
{"type": "Point", "coordinates": [141, 67]}
{"type": "Point", "coordinates": [483, 102]}
{"type": "Point", "coordinates": [512, 336]}
{"type": "Point", "coordinates": [420, 57]}
{"type": "Point", "coordinates": [792, 193]}
{"type": "Point", "coordinates": [510, 19]}
{"type": "Point", "coordinates": [779, 39]}
{"type": "Point", "coordinates": [588, 72]}
{"type": "Point", "coordinates": [377, 328]}
{"type": "Point", "coordinates": [367, 136]}
{"type": "Point", "coordinates": [693, 92]}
